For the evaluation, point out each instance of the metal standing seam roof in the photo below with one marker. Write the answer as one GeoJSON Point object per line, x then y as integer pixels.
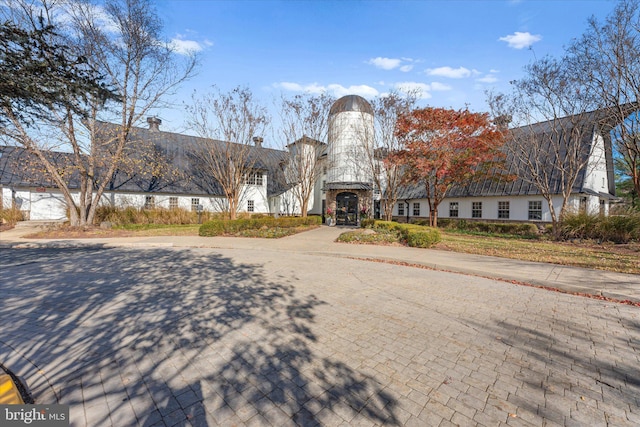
{"type": "Point", "coordinates": [593, 122]}
{"type": "Point", "coordinates": [348, 186]}
{"type": "Point", "coordinates": [176, 146]}
{"type": "Point", "coordinates": [351, 103]}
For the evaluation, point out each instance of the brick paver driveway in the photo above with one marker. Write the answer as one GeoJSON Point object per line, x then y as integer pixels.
{"type": "Point", "coordinates": [232, 337]}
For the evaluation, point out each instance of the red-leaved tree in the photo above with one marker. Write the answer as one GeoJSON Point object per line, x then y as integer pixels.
{"type": "Point", "coordinates": [446, 147]}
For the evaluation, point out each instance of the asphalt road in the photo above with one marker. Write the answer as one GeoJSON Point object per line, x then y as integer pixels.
{"type": "Point", "coordinates": [203, 336]}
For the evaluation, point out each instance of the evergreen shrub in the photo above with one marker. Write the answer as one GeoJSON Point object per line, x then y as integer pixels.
{"type": "Point", "coordinates": [512, 228]}
{"type": "Point", "coordinates": [415, 235]}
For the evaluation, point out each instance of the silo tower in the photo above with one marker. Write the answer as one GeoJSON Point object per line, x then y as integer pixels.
{"type": "Point", "coordinates": [349, 177]}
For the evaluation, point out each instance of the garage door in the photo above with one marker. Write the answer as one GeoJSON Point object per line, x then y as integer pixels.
{"type": "Point", "coordinates": [46, 206]}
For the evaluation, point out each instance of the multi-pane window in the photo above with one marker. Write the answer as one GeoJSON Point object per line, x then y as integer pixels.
{"type": "Point", "coordinates": [476, 210]}
{"type": "Point", "coordinates": [503, 210]}
{"type": "Point", "coordinates": [253, 178]}
{"type": "Point", "coordinates": [401, 209]}
{"type": "Point", "coordinates": [173, 202]}
{"type": "Point", "coordinates": [535, 210]}
{"type": "Point", "coordinates": [149, 202]}
{"type": "Point", "coordinates": [250, 206]}
{"type": "Point", "coordinates": [453, 209]}
{"type": "Point", "coordinates": [195, 201]}
{"type": "Point", "coordinates": [416, 209]}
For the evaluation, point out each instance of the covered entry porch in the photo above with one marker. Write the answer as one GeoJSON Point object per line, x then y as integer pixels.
{"type": "Point", "coordinates": [348, 200]}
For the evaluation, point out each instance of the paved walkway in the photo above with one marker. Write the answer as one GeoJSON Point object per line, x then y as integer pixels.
{"type": "Point", "coordinates": [321, 241]}
{"type": "Point", "coordinates": [298, 332]}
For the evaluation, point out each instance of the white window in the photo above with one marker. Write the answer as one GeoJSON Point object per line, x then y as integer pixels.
{"type": "Point", "coordinates": [401, 208]}
{"type": "Point", "coordinates": [535, 210]}
{"type": "Point", "coordinates": [149, 202]}
{"type": "Point", "coordinates": [453, 209]}
{"type": "Point", "coordinates": [416, 209]}
{"type": "Point", "coordinates": [250, 206]}
{"type": "Point", "coordinates": [195, 201]}
{"type": "Point", "coordinates": [476, 210]}
{"type": "Point", "coordinates": [173, 202]}
{"type": "Point", "coordinates": [253, 178]}
{"type": "Point", "coordinates": [503, 210]}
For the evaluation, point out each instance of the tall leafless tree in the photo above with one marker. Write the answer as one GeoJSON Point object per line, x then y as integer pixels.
{"type": "Point", "coordinates": [607, 57]}
{"type": "Point", "coordinates": [386, 173]}
{"type": "Point", "coordinates": [226, 159]}
{"type": "Point", "coordinates": [548, 147]}
{"type": "Point", "coordinates": [121, 39]}
{"type": "Point", "coordinates": [304, 130]}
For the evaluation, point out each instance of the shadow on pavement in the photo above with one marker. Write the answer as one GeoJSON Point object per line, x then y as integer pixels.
{"type": "Point", "coordinates": [174, 337]}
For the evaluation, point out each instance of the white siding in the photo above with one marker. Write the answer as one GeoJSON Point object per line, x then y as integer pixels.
{"type": "Point", "coordinates": [596, 177]}
{"type": "Point", "coordinates": [347, 152]}
{"type": "Point", "coordinates": [518, 207]}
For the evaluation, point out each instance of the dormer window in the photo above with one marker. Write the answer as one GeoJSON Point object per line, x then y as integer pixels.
{"type": "Point", "coordinates": [253, 178]}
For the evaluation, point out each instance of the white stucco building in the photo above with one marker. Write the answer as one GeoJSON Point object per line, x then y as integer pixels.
{"type": "Point", "coordinates": [345, 185]}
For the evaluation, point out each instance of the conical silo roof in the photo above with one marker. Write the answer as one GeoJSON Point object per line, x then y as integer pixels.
{"type": "Point", "coordinates": [351, 103]}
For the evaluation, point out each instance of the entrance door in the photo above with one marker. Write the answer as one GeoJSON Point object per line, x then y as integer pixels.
{"type": "Point", "coordinates": [346, 209]}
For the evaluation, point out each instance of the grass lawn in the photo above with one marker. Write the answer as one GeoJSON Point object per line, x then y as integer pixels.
{"type": "Point", "coordinates": [610, 257]}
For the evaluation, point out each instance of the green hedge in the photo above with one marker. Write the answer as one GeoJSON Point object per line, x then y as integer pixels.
{"type": "Point", "coordinates": [513, 228]}
{"type": "Point", "coordinates": [220, 227]}
{"type": "Point", "coordinates": [417, 236]}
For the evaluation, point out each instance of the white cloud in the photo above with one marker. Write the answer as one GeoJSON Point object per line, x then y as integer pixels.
{"type": "Point", "coordinates": [423, 89]}
{"type": "Point", "coordinates": [385, 63]}
{"type": "Point", "coordinates": [437, 86]}
{"type": "Point", "coordinates": [334, 89]}
{"type": "Point", "coordinates": [489, 78]}
{"type": "Point", "coordinates": [362, 90]}
{"type": "Point", "coordinates": [182, 46]}
{"type": "Point", "coordinates": [403, 64]}
{"type": "Point", "coordinates": [290, 86]}
{"type": "Point", "coordinates": [452, 73]}
{"type": "Point", "coordinates": [520, 40]}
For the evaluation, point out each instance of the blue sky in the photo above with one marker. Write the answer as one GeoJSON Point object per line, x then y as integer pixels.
{"type": "Point", "coordinates": [452, 50]}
